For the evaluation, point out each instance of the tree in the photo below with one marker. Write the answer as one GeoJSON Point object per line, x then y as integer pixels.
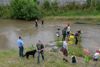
{"type": "Point", "coordinates": [25, 9]}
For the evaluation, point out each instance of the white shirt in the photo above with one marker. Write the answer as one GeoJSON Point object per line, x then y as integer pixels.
{"type": "Point", "coordinates": [96, 55]}
{"type": "Point", "coordinates": [65, 44]}
{"type": "Point", "coordinates": [68, 28]}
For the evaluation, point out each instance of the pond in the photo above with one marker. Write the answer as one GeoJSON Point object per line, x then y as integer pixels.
{"type": "Point", "coordinates": [11, 29]}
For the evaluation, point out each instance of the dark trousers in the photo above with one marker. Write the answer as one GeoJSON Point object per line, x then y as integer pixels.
{"type": "Point", "coordinates": [21, 49]}
{"type": "Point", "coordinates": [64, 37]}
{"type": "Point", "coordinates": [68, 33]}
{"type": "Point", "coordinates": [76, 40]}
{"type": "Point", "coordinates": [42, 54]}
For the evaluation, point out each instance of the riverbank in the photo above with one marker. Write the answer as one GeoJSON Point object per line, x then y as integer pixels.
{"type": "Point", "coordinates": [10, 58]}
{"type": "Point", "coordinates": [76, 19]}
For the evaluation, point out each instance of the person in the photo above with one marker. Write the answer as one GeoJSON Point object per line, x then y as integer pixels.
{"type": "Point", "coordinates": [40, 49]}
{"type": "Point", "coordinates": [58, 32]}
{"type": "Point", "coordinates": [96, 56]}
{"type": "Point", "coordinates": [73, 59]}
{"type": "Point", "coordinates": [36, 23]}
{"type": "Point", "coordinates": [64, 34]}
{"type": "Point", "coordinates": [77, 35]}
{"type": "Point", "coordinates": [76, 38]}
{"type": "Point", "coordinates": [68, 30]}
{"type": "Point", "coordinates": [42, 22]}
{"type": "Point", "coordinates": [71, 39]}
{"type": "Point", "coordinates": [20, 44]}
{"type": "Point", "coordinates": [64, 50]}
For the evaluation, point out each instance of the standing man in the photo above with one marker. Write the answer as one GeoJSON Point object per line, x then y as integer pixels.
{"type": "Point", "coordinates": [40, 48]}
{"type": "Point", "coordinates": [36, 23]}
{"type": "Point", "coordinates": [20, 44]}
{"type": "Point", "coordinates": [42, 22]}
{"type": "Point", "coordinates": [64, 34]}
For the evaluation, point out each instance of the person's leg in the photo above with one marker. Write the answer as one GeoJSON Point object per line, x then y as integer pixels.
{"type": "Point", "coordinates": [38, 57]}
{"type": "Point", "coordinates": [68, 33]}
{"type": "Point", "coordinates": [22, 51]}
{"type": "Point", "coordinates": [19, 51]}
{"type": "Point", "coordinates": [64, 36]}
{"type": "Point", "coordinates": [76, 41]}
{"type": "Point", "coordinates": [42, 54]}
{"type": "Point", "coordinates": [65, 53]}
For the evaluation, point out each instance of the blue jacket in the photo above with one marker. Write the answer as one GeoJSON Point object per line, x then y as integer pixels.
{"type": "Point", "coordinates": [20, 42]}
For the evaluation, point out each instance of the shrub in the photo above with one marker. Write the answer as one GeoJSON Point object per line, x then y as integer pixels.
{"type": "Point", "coordinates": [98, 5]}
{"type": "Point", "coordinates": [25, 9]}
{"type": "Point", "coordinates": [46, 5]}
{"type": "Point", "coordinates": [5, 12]}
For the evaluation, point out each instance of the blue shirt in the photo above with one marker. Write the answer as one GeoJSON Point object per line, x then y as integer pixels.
{"type": "Point", "coordinates": [20, 42]}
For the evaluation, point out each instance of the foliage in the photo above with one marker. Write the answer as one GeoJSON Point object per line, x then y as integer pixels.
{"type": "Point", "coordinates": [25, 9]}
{"type": "Point", "coordinates": [98, 5]}
{"type": "Point", "coordinates": [30, 9]}
{"type": "Point", "coordinates": [46, 5]}
{"type": "Point", "coordinates": [5, 12]}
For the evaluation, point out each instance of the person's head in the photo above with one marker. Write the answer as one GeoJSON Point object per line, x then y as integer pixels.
{"type": "Point", "coordinates": [68, 24]}
{"type": "Point", "coordinates": [72, 33]}
{"type": "Point", "coordinates": [20, 37]}
{"type": "Point", "coordinates": [79, 31]}
{"type": "Point", "coordinates": [39, 41]}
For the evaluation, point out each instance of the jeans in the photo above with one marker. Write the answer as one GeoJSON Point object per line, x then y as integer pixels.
{"type": "Point", "coordinates": [21, 49]}
{"type": "Point", "coordinates": [42, 54]}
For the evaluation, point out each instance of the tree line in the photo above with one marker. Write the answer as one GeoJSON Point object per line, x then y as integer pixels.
{"type": "Point", "coordinates": [31, 9]}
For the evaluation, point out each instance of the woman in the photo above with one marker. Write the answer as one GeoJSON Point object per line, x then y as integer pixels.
{"type": "Point", "coordinates": [64, 51]}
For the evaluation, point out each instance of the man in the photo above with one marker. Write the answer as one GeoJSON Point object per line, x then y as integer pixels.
{"type": "Point", "coordinates": [20, 44]}
{"type": "Point", "coordinates": [64, 34]}
{"type": "Point", "coordinates": [42, 22]}
{"type": "Point", "coordinates": [40, 48]}
{"type": "Point", "coordinates": [36, 23]}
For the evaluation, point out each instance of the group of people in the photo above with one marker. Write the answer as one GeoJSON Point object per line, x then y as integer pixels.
{"type": "Point", "coordinates": [67, 37]}
{"type": "Point", "coordinates": [39, 45]}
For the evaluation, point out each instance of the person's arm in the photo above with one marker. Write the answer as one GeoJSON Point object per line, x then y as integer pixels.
{"type": "Point", "coordinates": [22, 42]}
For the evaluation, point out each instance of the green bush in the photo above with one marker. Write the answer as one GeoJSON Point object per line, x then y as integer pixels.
{"type": "Point", "coordinates": [46, 5]}
{"type": "Point", "coordinates": [98, 5]}
{"type": "Point", "coordinates": [5, 12]}
{"type": "Point", "coordinates": [1, 11]}
{"type": "Point", "coordinates": [25, 9]}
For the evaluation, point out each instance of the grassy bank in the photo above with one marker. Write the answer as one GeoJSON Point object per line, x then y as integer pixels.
{"type": "Point", "coordinates": [10, 58]}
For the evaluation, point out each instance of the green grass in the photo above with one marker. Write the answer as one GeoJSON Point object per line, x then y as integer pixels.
{"type": "Point", "coordinates": [10, 58]}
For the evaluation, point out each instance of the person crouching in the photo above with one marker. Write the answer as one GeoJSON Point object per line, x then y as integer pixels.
{"type": "Point", "coordinates": [64, 50]}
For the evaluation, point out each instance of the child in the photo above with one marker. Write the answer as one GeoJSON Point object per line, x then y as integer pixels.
{"type": "Point", "coordinates": [74, 59]}
{"type": "Point", "coordinates": [96, 56]}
